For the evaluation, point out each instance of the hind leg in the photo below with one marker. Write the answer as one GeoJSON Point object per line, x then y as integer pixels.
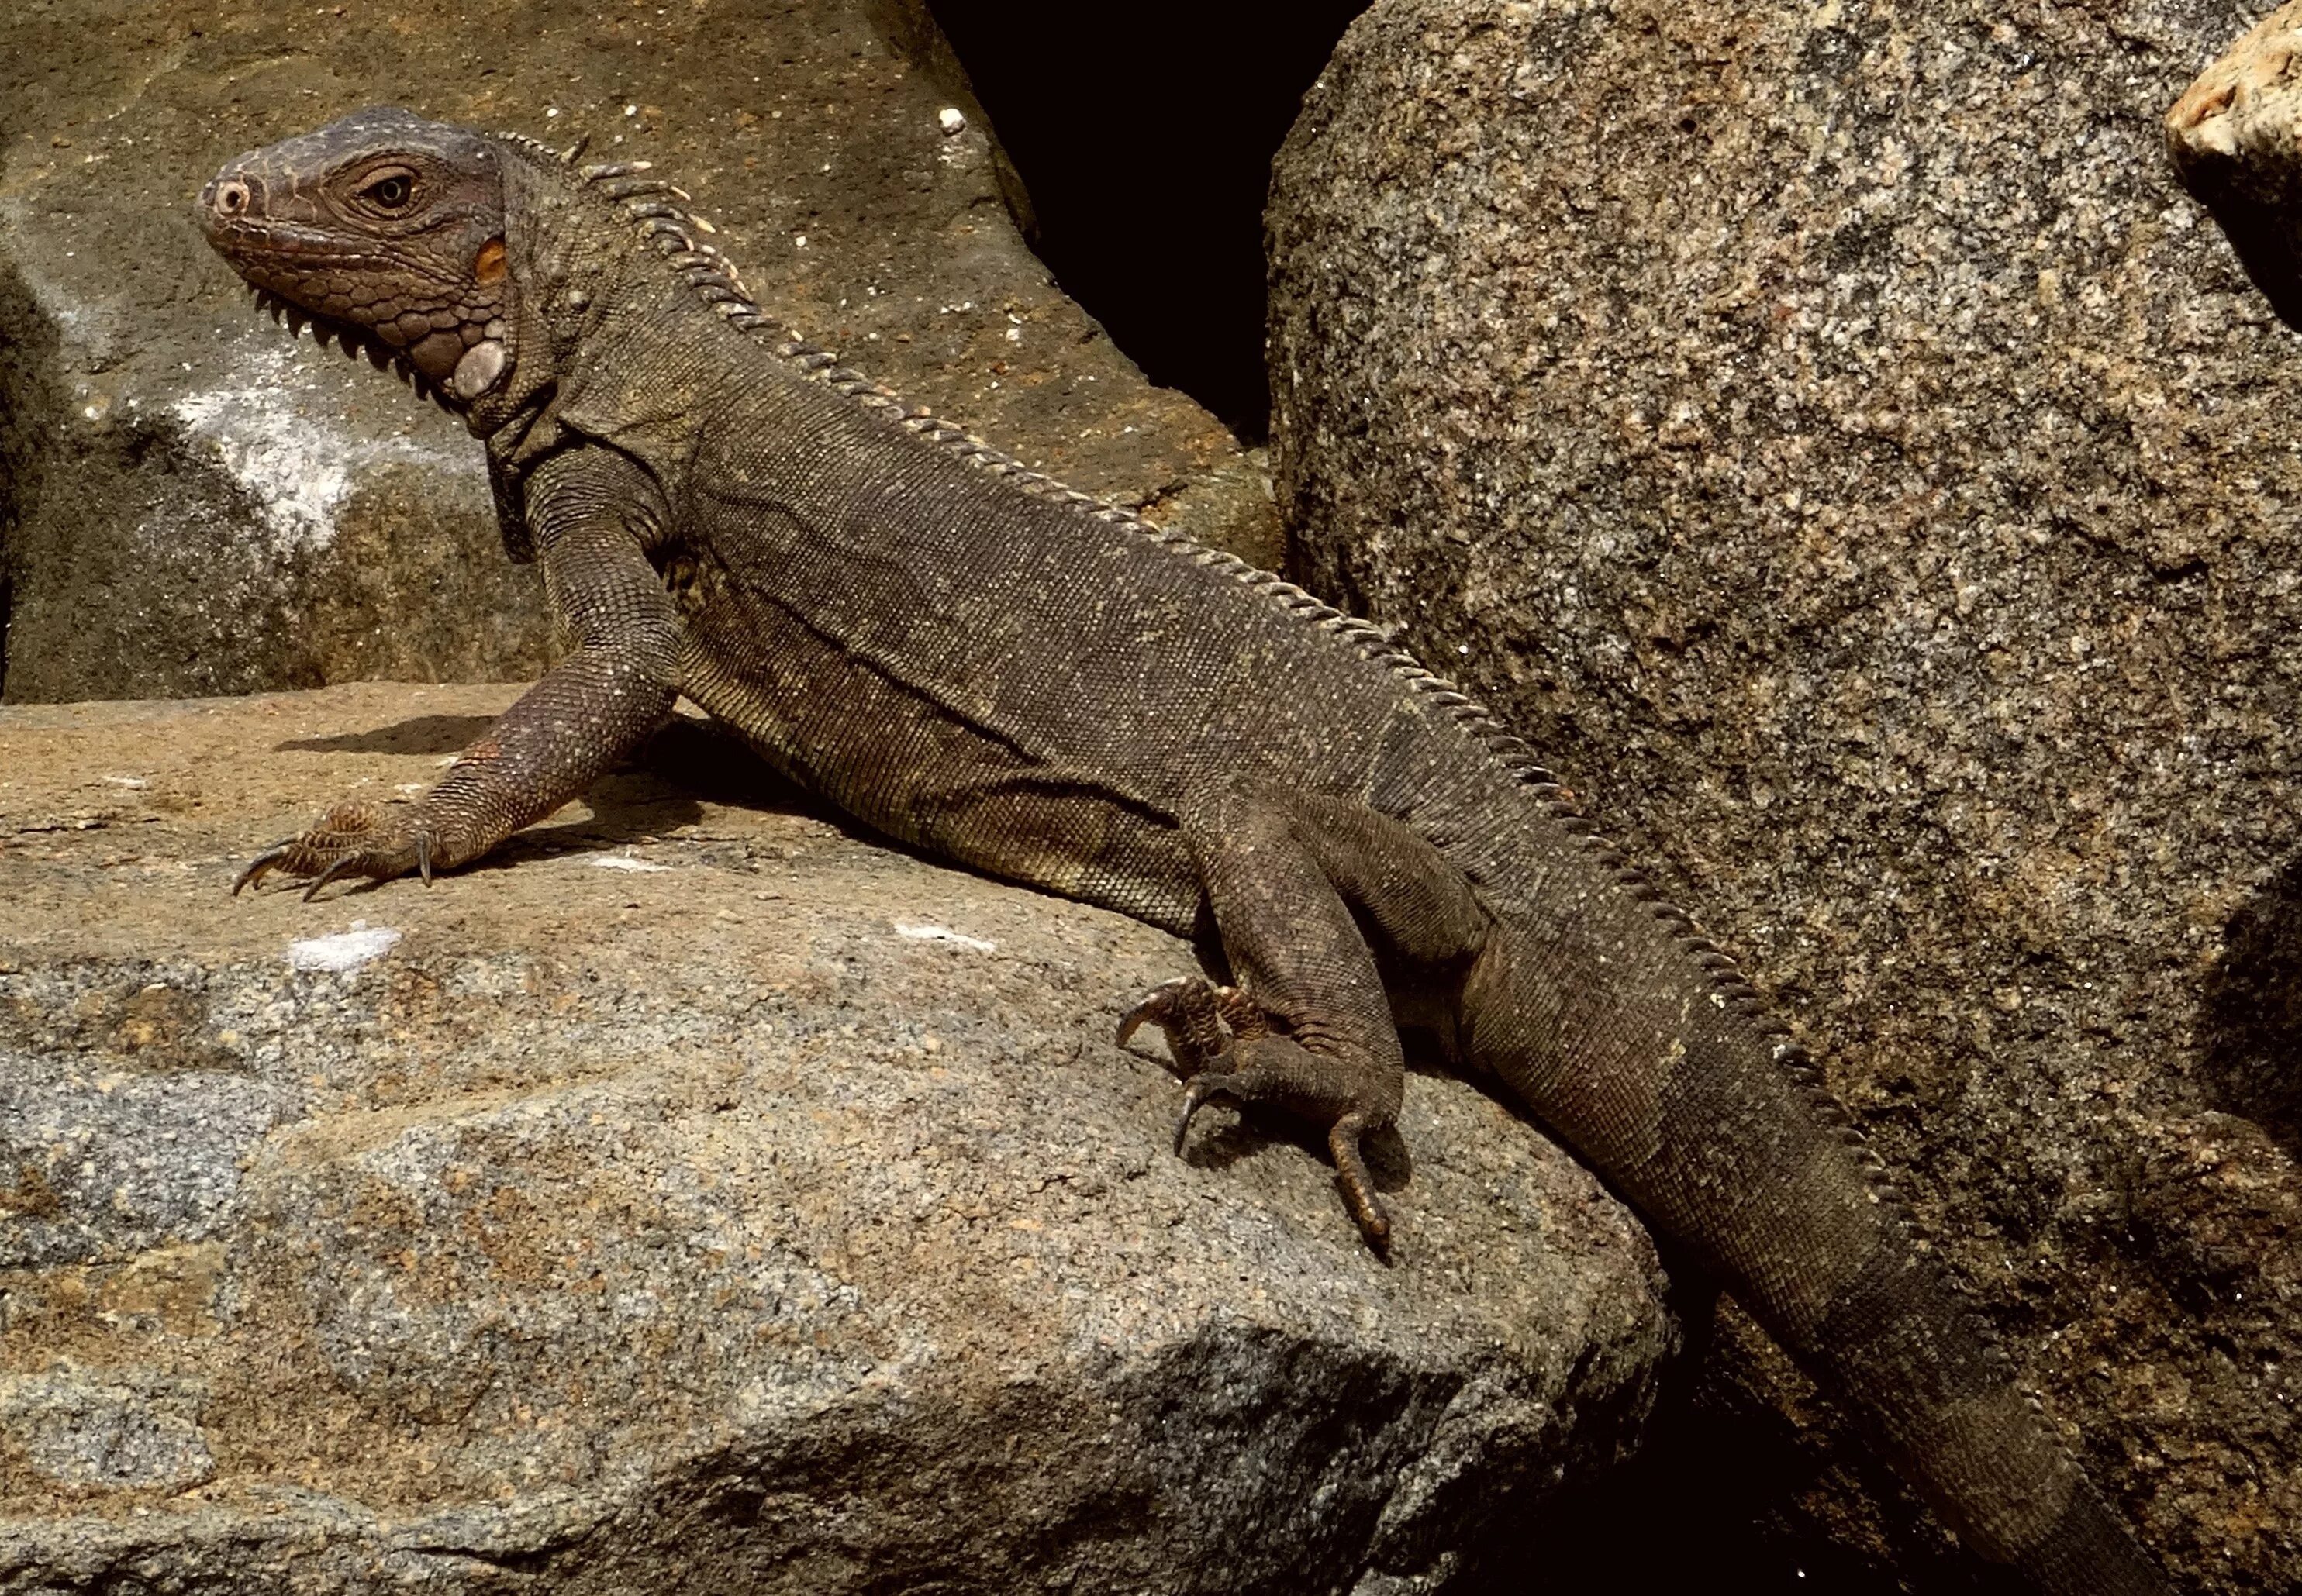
{"type": "Point", "coordinates": [1309, 1029]}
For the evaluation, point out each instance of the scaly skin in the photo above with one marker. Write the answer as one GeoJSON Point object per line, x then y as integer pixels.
{"type": "Point", "coordinates": [984, 665]}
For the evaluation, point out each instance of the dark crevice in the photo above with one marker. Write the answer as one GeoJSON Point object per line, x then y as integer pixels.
{"type": "Point", "coordinates": [30, 395]}
{"type": "Point", "coordinates": [1144, 137]}
{"type": "Point", "coordinates": [1712, 1501]}
{"type": "Point", "coordinates": [2250, 1022]}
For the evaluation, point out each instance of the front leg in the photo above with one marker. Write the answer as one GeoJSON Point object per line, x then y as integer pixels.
{"type": "Point", "coordinates": [594, 514]}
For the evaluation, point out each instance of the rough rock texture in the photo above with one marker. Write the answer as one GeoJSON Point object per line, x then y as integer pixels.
{"type": "Point", "coordinates": [1831, 435]}
{"type": "Point", "coordinates": [191, 504]}
{"type": "Point", "coordinates": [696, 1197]}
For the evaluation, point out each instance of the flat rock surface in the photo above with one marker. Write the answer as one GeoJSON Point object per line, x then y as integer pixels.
{"type": "Point", "coordinates": [697, 1196]}
{"type": "Point", "coordinates": [191, 503]}
{"type": "Point", "coordinates": [1828, 434]}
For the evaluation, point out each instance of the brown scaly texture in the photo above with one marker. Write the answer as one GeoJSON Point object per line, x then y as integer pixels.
{"type": "Point", "coordinates": [976, 660]}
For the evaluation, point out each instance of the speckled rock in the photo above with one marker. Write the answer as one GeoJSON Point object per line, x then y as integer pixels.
{"type": "Point", "coordinates": [2235, 137]}
{"type": "Point", "coordinates": [696, 1197]}
{"type": "Point", "coordinates": [190, 503]}
{"type": "Point", "coordinates": [1831, 435]}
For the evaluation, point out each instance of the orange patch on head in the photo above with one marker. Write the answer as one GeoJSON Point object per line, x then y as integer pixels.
{"type": "Point", "coordinates": [487, 266]}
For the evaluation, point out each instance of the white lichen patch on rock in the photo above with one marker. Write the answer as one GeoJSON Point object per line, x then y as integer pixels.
{"type": "Point", "coordinates": [945, 934]}
{"type": "Point", "coordinates": [270, 430]}
{"type": "Point", "coordinates": [87, 330]}
{"type": "Point", "coordinates": [345, 949]}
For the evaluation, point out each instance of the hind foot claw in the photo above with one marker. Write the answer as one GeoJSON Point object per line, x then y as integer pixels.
{"type": "Point", "coordinates": [1198, 1018]}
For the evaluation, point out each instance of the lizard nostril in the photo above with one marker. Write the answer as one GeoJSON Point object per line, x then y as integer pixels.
{"type": "Point", "coordinates": [232, 197]}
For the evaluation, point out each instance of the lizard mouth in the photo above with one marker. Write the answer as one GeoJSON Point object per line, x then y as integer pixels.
{"type": "Point", "coordinates": [356, 341]}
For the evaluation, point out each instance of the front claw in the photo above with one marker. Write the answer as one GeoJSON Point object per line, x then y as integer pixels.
{"type": "Point", "coordinates": [349, 865]}
{"type": "Point", "coordinates": [352, 839]}
{"type": "Point", "coordinates": [262, 865]}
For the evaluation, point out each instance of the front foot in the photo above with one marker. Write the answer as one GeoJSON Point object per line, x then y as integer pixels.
{"type": "Point", "coordinates": [352, 839]}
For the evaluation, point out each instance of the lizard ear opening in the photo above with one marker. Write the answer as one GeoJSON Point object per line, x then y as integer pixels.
{"type": "Point", "coordinates": [488, 265]}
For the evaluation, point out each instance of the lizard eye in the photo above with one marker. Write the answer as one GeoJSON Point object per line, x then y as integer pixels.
{"type": "Point", "coordinates": [390, 191]}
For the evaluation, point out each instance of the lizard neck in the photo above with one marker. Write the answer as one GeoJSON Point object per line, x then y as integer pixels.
{"type": "Point", "coordinates": [564, 263]}
{"type": "Point", "coordinates": [607, 339]}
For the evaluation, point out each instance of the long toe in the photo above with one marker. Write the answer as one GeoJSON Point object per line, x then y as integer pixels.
{"type": "Point", "coordinates": [1358, 1184]}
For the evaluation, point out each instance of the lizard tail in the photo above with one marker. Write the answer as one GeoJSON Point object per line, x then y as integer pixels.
{"type": "Point", "coordinates": [1904, 1351]}
{"type": "Point", "coordinates": [1723, 1136]}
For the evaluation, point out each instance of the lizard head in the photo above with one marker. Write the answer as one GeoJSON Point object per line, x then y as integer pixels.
{"type": "Point", "coordinates": [383, 230]}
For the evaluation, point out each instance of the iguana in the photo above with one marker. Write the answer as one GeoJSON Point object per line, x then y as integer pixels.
{"type": "Point", "coordinates": [980, 662]}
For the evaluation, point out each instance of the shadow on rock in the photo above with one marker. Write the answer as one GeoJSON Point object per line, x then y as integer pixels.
{"type": "Point", "coordinates": [425, 733]}
{"type": "Point", "coordinates": [660, 788]}
{"type": "Point", "coordinates": [689, 758]}
{"type": "Point", "coordinates": [2250, 1021]}
{"type": "Point", "coordinates": [704, 758]}
{"type": "Point", "coordinates": [1218, 1144]}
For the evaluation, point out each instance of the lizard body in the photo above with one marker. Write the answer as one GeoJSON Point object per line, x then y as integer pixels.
{"type": "Point", "coordinates": [977, 661]}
